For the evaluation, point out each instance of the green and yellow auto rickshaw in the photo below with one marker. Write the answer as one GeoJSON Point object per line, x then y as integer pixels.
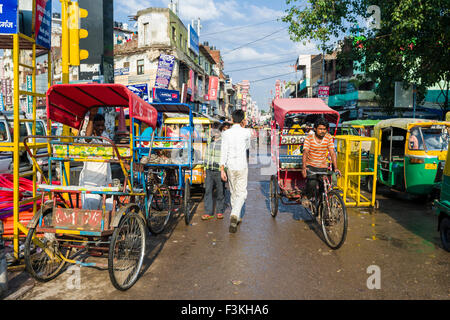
{"type": "Point", "coordinates": [442, 207]}
{"type": "Point", "coordinates": [364, 127]}
{"type": "Point", "coordinates": [412, 154]}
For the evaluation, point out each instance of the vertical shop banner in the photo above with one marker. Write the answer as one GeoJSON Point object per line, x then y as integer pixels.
{"type": "Point", "coordinates": [8, 16]}
{"type": "Point", "coordinates": [191, 84]}
{"type": "Point", "coordinates": [193, 41]}
{"type": "Point", "coordinates": [2, 104]}
{"type": "Point", "coordinates": [164, 72]}
{"type": "Point", "coordinates": [43, 23]}
{"type": "Point", "coordinates": [213, 86]}
{"type": "Point", "coordinates": [277, 89]}
{"type": "Point", "coordinates": [29, 98]}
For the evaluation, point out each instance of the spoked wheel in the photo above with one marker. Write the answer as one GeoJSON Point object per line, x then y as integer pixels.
{"type": "Point", "coordinates": [159, 210]}
{"type": "Point", "coordinates": [187, 203]}
{"type": "Point", "coordinates": [445, 233]}
{"type": "Point", "coordinates": [43, 251]}
{"type": "Point", "coordinates": [334, 220]}
{"type": "Point", "coordinates": [127, 249]}
{"type": "Point", "coordinates": [273, 196]}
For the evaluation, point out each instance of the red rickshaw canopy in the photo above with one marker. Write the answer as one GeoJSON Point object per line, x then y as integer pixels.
{"type": "Point", "coordinates": [69, 103]}
{"type": "Point", "coordinates": [282, 107]}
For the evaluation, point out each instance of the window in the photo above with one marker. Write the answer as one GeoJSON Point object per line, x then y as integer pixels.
{"type": "Point", "coordinates": [40, 129]}
{"type": "Point", "coordinates": [146, 33]}
{"type": "Point", "coordinates": [3, 133]}
{"type": "Point", "coordinates": [140, 67]}
{"type": "Point", "coordinates": [181, 41]}
{"type": "Point", "coordinates": [126, 64]}
{"type": "Point", "coordinates": [174, 34]}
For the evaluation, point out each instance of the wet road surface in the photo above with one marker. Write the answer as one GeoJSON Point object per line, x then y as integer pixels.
{"type": "Point", "coordinates": [281, 258]}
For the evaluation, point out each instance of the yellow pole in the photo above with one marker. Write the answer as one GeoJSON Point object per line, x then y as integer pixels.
{"type": "Point", "coordinates": [65, 67]}
{"type": "Point", "coordinates": [16, 145]}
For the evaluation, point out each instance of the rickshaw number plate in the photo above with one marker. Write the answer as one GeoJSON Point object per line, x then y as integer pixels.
{"type": "Point", "coordinates": [431, 166]}
{"type": "Point", "coordinates": [79, 219]}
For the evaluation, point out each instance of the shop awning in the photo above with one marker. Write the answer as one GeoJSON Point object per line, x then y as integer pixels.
{"type": "Point", "coordinates": [69, 103]}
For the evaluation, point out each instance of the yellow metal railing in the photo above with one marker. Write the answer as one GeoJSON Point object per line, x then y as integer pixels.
{"type": "Point", "coordinates": [28, 43]}
{"type": "Point", "coordinates": [357, 166]}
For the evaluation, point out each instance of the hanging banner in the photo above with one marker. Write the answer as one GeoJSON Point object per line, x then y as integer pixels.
{"type": "Point", "coordinates": [8, 16]}
{"type": "Point", "coordinates": [43, 23]}
{"type": "Point", "coordinates": [213, 86]}
{"type": "Point", "coordinates": [164, 72]}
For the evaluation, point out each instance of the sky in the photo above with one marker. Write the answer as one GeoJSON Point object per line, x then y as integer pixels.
{"type": "Point", "coordinates": [248, 33]}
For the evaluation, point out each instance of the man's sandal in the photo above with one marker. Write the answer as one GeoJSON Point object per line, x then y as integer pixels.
{"type": "Point", "coordinates": [219, 216]}
{"type": "Point", "coordinates": [207, 217]}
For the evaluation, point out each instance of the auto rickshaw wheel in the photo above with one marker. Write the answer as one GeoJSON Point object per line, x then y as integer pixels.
{"type": "Point", "coordinates": [42, 250]}
{"type": "Point", "coordinates": [445, 233]}
{"type": "Point", "coordinates": [127, 249]}
{"type": "Point", "coordinates": [273, 196]}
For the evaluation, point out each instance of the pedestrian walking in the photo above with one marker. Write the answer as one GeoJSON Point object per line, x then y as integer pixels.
{"type": "Point", "coordinates": [213, 179]}
{"type": "Point", "coordinates": [234, 166]}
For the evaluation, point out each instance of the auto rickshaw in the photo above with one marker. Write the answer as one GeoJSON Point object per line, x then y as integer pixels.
{"type": "Point", "coordinates": [364, 127]}
{"type": "Point", "coordinates": [442, 207]}
{"type": "Point", "coordinates": [412, 154]}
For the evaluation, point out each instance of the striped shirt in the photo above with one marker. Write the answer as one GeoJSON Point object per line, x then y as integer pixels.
{"type": "Point", "coordinates": [317, 155]}
{"type": "Point", "coordinates": [212, 155]}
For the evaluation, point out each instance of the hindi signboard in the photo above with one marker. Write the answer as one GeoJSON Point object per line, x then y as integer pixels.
{"type": "Point", "coordinates": [193, 40]}
{"type": "Point", "coordinates": [8, 16]}
{"type": "Point", "coordinates": [164, 72]}
{"type": "Point", "coordinates": [43, 23]}
{"type": "Point", "coordinates": [324, 92]}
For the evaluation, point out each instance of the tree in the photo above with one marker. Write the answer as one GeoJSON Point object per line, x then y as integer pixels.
{"type": "Point", "coordinates": [411, 43]}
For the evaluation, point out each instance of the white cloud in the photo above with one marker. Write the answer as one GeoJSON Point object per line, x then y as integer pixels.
{"type": "Point", "coordinates": [232, 10]}
{"type": "Point", "coordinates": [131, 7]}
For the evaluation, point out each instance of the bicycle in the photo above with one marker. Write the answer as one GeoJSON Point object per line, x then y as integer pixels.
{"type": "Point", "coordinates": [328, 209]}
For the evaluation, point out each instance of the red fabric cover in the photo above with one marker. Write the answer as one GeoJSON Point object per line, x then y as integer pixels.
{"type": "Point", "coordinates": [284, 106]}
{"type": "Point", "coordinates": [69, 103]}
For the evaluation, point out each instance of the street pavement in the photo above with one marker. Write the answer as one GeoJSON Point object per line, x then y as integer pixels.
{"type": "Point", "coordinates": [281, 258]}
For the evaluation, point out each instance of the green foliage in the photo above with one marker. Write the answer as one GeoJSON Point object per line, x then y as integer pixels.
{"type": "Point", "coordinates": [412, 44]}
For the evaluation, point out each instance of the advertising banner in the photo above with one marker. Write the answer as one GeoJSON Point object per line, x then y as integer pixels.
{"type": "Point", "coordinates": [8, 16]}
{"type": "Point", "coordinates": [277, 89]}
{"type": "Point", "coordinates": [213, 86]}
{"type": "Point", "coordinates": [164, 72]}
{"type": "Point", "coordinates": [141, 90]}
{"type": "Point", "coordinates": [164, 95]}
{"type": "Point", "coordinates": [193, 40]}
{"type": "Point", "coordinates": [2, 104]}
{"type": "Point", "coordinates": [43, 23]}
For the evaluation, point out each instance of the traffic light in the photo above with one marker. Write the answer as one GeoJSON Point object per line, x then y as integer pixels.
{"type": "Point", "coordinates": [76, 33]}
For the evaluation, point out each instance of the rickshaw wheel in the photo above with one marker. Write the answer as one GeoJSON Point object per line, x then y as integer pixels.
{"type": "Point", "coordinates": [445, 233]}
{"type": "Point", "coordinates": [273, 196]}
{"type": "Point", "coordinates": [334, 220]}
{"type": "Point", "coordinates": [127, 249]}
{"type": "Point", "coordinates": [187, 203]}
{"type": "Point", "coordinates": [37, 261]}
{"type": "Point", "coordinates": [159, 210]}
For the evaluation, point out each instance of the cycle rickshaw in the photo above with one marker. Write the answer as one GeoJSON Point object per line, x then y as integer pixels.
{"type": "Point", "coordinates": [62, 231]}
{"type": "Point", "coordinates": [167, 167]}
{"type": "Point", "coordinates": [288, 184]}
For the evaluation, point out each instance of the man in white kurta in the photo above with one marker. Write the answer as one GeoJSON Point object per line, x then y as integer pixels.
{"type": "Point", "coordinates": [234, 165]}
{"type": "Point", "coordinates": [95, 174]}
